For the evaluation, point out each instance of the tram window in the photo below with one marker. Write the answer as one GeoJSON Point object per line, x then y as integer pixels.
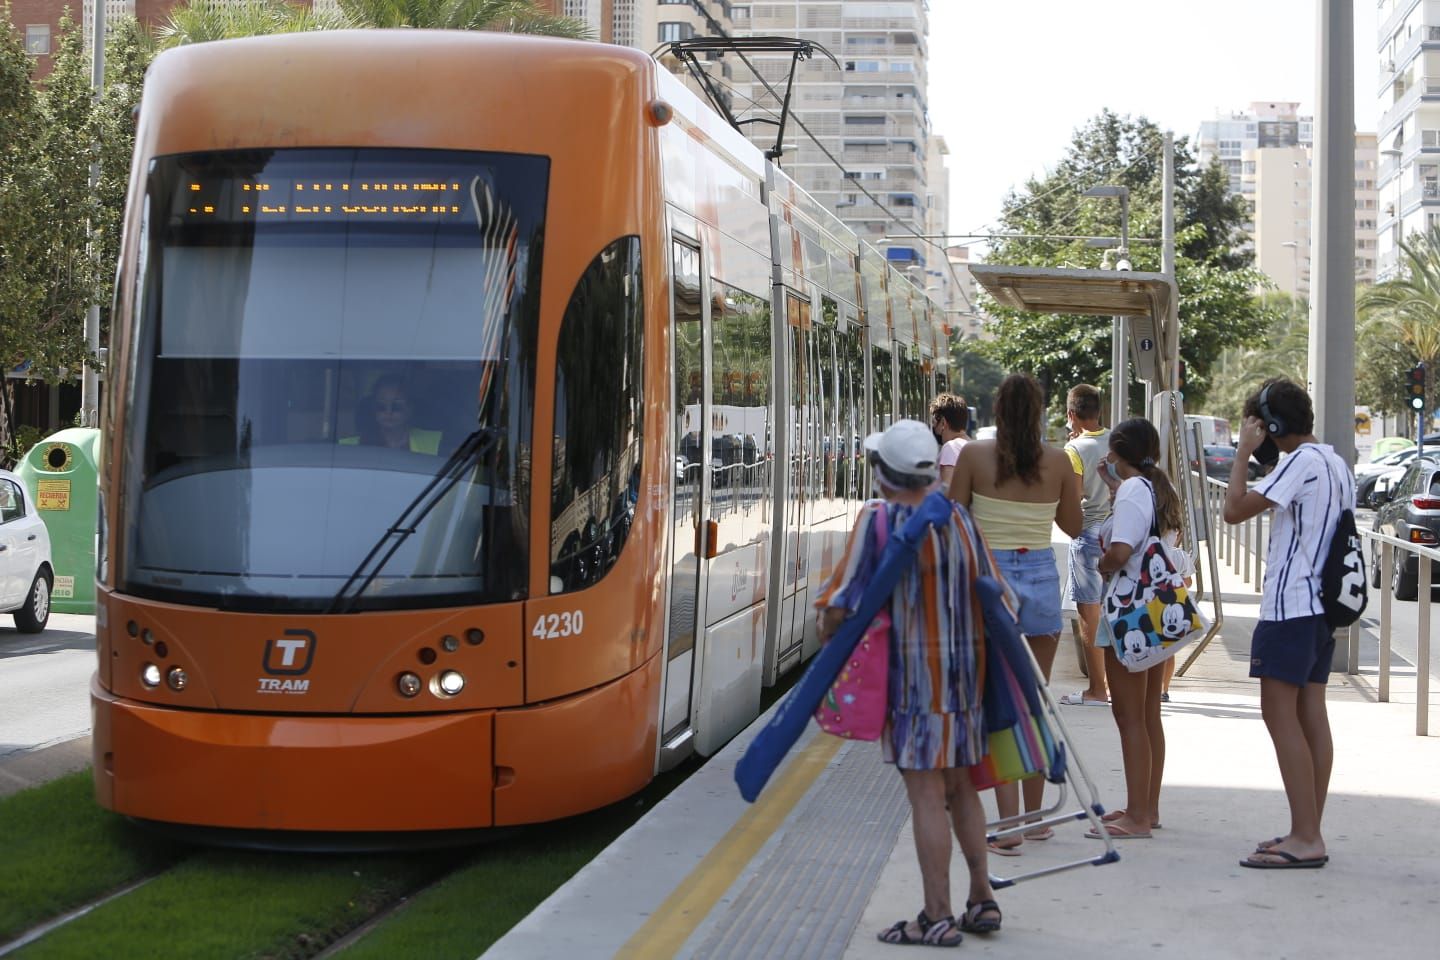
{"type": "Point", "coordinates": [282, 305]}
{"type": "Point", "coordinates": [599, 414]}
{"type": "Point", "coordinates": [883, 405]}
{"type": "Point", "coordinates": [739, 414]}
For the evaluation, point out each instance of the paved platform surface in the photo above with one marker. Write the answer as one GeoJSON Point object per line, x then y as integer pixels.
{"type": "Point", "coordinates": [695, 876]}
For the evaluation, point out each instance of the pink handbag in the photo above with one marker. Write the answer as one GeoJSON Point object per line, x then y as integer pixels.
{"type": "Point", "coordinates": [855, 706]}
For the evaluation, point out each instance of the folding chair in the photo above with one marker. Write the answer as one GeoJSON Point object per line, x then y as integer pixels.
{"type": "Point", "coordinates": [1061, 764]}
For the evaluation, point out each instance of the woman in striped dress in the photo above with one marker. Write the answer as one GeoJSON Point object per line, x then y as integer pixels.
{"type": "Point", "coordinates": [934, 729]}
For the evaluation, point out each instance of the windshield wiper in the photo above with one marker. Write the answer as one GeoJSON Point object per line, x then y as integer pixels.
{"type": "Point", "coordinates": [468, 453]}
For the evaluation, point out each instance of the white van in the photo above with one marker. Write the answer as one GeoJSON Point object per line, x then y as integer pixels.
{"type": "Point", "coordinates": [1214, 431]}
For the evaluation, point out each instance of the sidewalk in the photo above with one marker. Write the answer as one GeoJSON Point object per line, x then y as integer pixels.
{"type": "Point", "coordinates": [1184, 891]}
{"type": "Point", "coordinates": [825, 859]}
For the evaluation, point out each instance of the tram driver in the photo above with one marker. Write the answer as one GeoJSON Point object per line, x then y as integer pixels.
{"type": "Point", "coordinates": [383, 419]}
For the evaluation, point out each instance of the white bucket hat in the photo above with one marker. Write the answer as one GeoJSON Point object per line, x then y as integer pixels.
{"type": "Point", "coordinates": [907, 446]}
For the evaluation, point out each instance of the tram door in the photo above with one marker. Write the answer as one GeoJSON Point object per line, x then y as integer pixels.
{"type": "Point", "coordinates": [801, 453]}
{"type": "Point", "coordinates": [692, 481]}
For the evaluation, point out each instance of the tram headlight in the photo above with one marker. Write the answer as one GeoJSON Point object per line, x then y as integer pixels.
{"type": "Point", "coordinates": [150, 675]}
{"type": "Point", "coordinates": [408, 684]}
{"type": "Point", "coordinates": [176, 679]}
{"type": "Point", "coordinates": [451, 682]}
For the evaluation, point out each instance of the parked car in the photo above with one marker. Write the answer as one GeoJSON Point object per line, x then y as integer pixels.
{"type": "Point", "coordinates": [1218, 461]}
{"type": "Point", "coordinates": [1411, 513]}
{"type": "Point", "coordinates": [1381, 464]}
{"type": "Point", "coordinates": [26, 572]}
{"type": "Point", "coordinates": [1374, 488]}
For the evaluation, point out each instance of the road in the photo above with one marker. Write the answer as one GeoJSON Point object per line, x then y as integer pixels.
{"type": "Point", "coordinates": [45, 682]}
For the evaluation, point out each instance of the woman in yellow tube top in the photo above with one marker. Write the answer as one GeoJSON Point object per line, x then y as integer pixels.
{"type": "Point", "coordinates": [1016, 487]}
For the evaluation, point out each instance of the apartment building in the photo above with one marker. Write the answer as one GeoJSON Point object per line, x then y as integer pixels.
{"type": "Point", "coordinates": [869, 114]}
{"type": "Point", "coordinates": [1408, 46]}
{"type": "Point", "coordinates": [1267, 154]}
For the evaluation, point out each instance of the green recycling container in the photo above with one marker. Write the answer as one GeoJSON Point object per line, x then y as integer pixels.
{"type": "Point", "coordinates": [62, 475]}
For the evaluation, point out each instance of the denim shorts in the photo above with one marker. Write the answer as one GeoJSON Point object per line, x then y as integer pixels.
{"type": "Point", "coordinates": [1297, 651]}
{"type": "Point", "coordinates": [1033, 577]}
{"type": "Point", "coordinates": [1086, 584]}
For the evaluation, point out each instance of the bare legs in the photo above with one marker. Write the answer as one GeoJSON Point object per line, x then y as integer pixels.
{"type": "Point", "coordinates": [930, 791]}
{"type": "Point", "coordinates": [1094, 656]}
{"type": "Point", "coordinates": [1007, 796]}
{"type": "Point", "coordinates": [1135, 704]}
{"type": "Point", "coordinates": [1299, 725]}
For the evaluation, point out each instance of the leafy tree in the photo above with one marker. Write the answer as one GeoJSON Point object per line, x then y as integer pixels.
{"type": "Point", "coordinates": [1402, 316]}
{"type": "Point", "coordinates": [974, 376]}
{"type": "Point", "coordinates": [21, 190]}
{"type": "Point", "coordinates": [1284, 350]}
{"type": "Point", "coordinates": [1218, 305]}
{"type": "Point", "coordinates": [129, 48]}
{"type": "Point", "coordinates": [49, 271]}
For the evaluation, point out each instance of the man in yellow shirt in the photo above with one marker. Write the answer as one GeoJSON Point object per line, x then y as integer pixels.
{"type": "Point", "coordinates": [1089, 443]}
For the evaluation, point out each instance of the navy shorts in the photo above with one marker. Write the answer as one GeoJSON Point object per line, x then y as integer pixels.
{"type": "Point", "coordinates": [1296, 651]}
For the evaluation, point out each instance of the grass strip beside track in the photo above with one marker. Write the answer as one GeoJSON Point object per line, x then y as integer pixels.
{"type": "Point", "coordinates": [59, 851]}
{"type": "Point", "coordinates": [464, 914]}
{"type": "Point", "coordinates": [222, 903]}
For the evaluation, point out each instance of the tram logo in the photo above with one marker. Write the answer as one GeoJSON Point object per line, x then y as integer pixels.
{"type": "Point", "coordinates": [290, 655]}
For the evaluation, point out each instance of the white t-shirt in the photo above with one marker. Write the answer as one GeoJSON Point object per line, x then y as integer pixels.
{"type": "Point", "coordinates": [1309, 488]}
{"type": "Point", "coordinates": [1131, 520]}
{"type": "Point", "coordinates": [950, 451]}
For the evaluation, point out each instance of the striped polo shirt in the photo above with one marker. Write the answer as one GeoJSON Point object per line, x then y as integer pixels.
{"type": "Point", "coordinates": [1309, 489]}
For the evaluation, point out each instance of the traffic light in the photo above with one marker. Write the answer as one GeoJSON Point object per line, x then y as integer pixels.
{"type": "Point", "coordinates": [1417, 387]}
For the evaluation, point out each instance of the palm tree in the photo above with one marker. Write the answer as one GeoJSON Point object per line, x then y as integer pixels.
{"type": "Point", "coordinates": [1283, 351]}
{"type": "Point", "coordinates": [198, 21]}
{"type": "Point", "coordinates": [514, 16]}
{"type": "Point", "coordinates": [1406, 310]}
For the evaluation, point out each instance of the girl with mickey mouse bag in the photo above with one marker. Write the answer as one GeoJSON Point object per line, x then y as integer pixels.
{"type": "Point", "coordinates": [1146, 614]}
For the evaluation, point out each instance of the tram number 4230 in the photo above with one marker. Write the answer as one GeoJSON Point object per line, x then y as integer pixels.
{"type": "Point", "coordinates": [551, 626]}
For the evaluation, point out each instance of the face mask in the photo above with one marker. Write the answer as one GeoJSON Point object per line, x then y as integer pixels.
{"type": "Point", "coordinates": [1110, 469]}
{"type": "Point", "coordinates": [1267, 453]}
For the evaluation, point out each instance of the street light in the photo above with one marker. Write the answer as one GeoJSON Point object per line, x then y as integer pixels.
{"type": "Point", "coordinates": [1119, 326]}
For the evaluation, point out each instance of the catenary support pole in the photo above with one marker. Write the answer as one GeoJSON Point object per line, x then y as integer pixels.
{"type": "Point", "coordinates": [1332, 253]}
{"type": "Point", "coordinates": [89, 376]}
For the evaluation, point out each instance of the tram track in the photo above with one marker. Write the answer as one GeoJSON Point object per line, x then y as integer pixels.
{"type": "Point", "coordinates": [220, 902]}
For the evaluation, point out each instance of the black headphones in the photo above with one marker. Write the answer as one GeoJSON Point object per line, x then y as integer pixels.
{"type": "Point", "coordinates": [1273, 424]}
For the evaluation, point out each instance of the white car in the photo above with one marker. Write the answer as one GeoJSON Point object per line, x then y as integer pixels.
{"type": "Point", "coordinates": [26, 573]}
{"type": "Point", "coordinates": [1400, 459]}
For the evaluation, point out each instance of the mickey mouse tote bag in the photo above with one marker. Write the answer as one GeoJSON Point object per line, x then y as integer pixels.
{"type": "Point", "coordinates": [1151, 614]}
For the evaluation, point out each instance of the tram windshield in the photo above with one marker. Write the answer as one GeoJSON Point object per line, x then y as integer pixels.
{"type": "Point", "coordinates": [316, 331]}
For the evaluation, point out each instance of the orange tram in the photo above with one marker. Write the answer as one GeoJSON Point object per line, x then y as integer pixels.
{"type": "Point", "coordinates": [484, 412]}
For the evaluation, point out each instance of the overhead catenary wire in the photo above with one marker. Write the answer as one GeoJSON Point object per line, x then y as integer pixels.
{"type": "Point", "coordinates": [720, 31]}
{"type": "Point", "coordinates": [955, 280]}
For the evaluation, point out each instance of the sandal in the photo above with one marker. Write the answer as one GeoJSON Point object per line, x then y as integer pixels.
{"type": "Point", "coordinates": [932, 932]}
{"type": "Point", "coordinates": [1005, 850]}
{"type": "Point", "coordinates": [975, 919]}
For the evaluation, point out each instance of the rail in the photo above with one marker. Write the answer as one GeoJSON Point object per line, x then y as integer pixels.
{"type": "Point", "coordinates": [1240, 545]}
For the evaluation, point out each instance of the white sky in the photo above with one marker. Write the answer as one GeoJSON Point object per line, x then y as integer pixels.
{"type": "Point", "coordinates": [1010, 81]}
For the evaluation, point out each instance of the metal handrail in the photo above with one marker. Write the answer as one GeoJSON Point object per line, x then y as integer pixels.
{"type": "Point", "coordinates": [1242, 551]}
{"type": "Point", "coordinates": [1422, 666]}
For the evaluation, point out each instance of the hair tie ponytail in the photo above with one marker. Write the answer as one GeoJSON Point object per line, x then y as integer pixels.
{"type": "Point", "coordinates": [1147, 464]}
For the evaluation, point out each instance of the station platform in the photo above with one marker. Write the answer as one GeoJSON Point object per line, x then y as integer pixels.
{"type": "Point", "coordinates": [825, 859]}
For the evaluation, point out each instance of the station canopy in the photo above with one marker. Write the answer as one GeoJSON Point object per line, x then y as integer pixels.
{"type": "Point", "coordinates": [1149, 299]}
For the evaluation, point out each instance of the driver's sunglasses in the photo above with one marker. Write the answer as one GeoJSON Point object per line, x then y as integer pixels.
{"type": "Point", "coordinates": [392, 406]}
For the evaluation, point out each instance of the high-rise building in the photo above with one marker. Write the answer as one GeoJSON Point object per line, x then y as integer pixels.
{"type": "Point", "coordinates": [1265, 125]}
{"type": "Point", "coordinates": [1409, 131]}
{"type": "Point", "coordinates": [868, 114]}
{"type": "Point", "coordinates": [1267, 154]}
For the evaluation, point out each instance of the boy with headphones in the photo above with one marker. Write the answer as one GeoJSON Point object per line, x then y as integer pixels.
{"type": "Point", "coordinates": [1292, 644]}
